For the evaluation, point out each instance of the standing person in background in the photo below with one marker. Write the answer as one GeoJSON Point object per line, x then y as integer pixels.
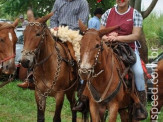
{"type": "Point", "coordinates": [68, 13]}
{"type": "Point", "coordinates": [24, 22]}
{"type": "Point", "coordinates": [94, 22]}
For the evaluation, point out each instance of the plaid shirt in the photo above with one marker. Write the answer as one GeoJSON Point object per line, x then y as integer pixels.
{"type": "Point", "coordinates": [68, 12]}
{"type": "Point", "coordinates": [137, 17]}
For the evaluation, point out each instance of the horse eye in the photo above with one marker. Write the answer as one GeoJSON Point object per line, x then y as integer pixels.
{"type": "Point", "coordinates": [38, 34]}
{"type": "Point", "coordinates": [97, 46]}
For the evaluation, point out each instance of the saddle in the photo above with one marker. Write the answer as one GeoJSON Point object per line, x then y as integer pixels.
{"type": "Point", "coordinates": [124, 51]}
{"type": "Point", "coordinates": [70, 56]}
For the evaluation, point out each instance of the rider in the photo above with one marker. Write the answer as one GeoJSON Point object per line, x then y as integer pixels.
{"type": "Point", "coordinates": [130, 22]}
{"type": "Point", "coordinates": [66, 13]}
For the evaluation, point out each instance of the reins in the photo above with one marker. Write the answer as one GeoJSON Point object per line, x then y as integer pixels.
{"type": "Point", "coordinates": [6, 59]}
{"type": "Point", "coordinates": [102, 98]}
{"type": "Point", "coordinates": [59, 59]}
{"type": "Point", "coordinates": [6, 82]}
{"type": "Point", "coordinates": [6, 25]}
{"type": "Point", "coordinates": [94, 93]}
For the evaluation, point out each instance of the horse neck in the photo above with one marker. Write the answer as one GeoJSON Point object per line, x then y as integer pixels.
{"type": "Point", "coordinates": [47, 47]}
{"type": "Point", "coordinates": [108, 65]}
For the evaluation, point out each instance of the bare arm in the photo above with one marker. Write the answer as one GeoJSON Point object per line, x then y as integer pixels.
{"type": "Point", "coordinates": [136, 32]}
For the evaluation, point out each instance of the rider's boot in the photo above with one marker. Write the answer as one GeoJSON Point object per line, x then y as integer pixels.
{"type": "Point", "coordinates": [82, 103]}
{"type": "Point", "coordinates": [141, 112]}
{"type": "Point", "coordinates": [28, 82]}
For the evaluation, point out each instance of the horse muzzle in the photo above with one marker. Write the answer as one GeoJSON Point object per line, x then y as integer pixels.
{"type": "Point", "coordinates": [8, 67]}
{"type": "Point", "coordinates": [85, 74]}
{"type": "Point", "coordinates": [27, 61]}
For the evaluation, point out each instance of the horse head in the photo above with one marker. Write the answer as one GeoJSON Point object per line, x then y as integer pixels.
{"type": "Point", "coordinates": [8, 41]}
{"type": "Point", "coordinates": [91, 49]}
{"type": "Point", "coordinates": [34, 36]}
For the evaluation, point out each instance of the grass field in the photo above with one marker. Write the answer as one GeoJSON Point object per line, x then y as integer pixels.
{"type": "Point", "coordinates": [17, 105]}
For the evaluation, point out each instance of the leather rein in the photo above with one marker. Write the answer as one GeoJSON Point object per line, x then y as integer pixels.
{"type": "Point", "coordinates": [37, 50]}
{"type": "Point", "coordinates": [94, 93]}
{"type": "Point", "coordinates": [58, 67]}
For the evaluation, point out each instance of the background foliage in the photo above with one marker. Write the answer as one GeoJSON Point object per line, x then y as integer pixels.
{"type": "Point", "coordinates": [10, 9]}
{"type": "Point", "coordinates": [14, 8]}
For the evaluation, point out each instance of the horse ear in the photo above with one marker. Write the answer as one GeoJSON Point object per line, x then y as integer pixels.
{"type": "Point", "coordinates": [45, 18]}
{"type": "Point", "coordinates": [31, 19]}
{"type": "Point", "coordinates": [82, 27]}
{"type": "Point", "coordinates": [107, 30]}
{"type": "Point", "coordinates": [16, 22]}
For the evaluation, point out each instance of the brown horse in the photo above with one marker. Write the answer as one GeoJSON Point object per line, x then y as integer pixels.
{"type": "Point", "coordinates": [157, 90]}
{"type": "Point", "coordinates": [53, 75]}
{"type": "Point", "coordinates": [101, 68]}
{"type": "Point", "coordinates": [8, 41]}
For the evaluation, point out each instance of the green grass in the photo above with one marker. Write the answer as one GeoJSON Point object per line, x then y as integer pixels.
{"type": "Point", "coordinates": [17, 105]}
{"type": "Point", "coordinates": [152, 26]}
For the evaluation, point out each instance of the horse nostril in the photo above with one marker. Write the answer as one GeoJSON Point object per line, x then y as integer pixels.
{"type": "Point", "coordinates": [6, 66]}
{"type": "Point", "coordinates": [28, 61]}
{"type": "Point", "coordinates": [25, 63]}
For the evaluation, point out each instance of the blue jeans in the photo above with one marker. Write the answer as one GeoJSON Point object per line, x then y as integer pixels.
{"type": "Point", "coordinates": [138, 73]}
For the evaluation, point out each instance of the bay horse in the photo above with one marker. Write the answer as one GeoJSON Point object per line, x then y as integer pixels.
{"type": "Point", "coordinates": [8, 41]}
{"type": "Point", "coordinates": [52, 74]}
{"type": "Point", "coordinates": [100, 68]}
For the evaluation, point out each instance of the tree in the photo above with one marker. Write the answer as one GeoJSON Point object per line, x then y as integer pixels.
{"type": "Point", "coordinates": [42, 7]}
{"type": "Point", "coordinates": [137, 5]}
{"type": "Point", "coordinates": [17, 7]}
{"type": "Point", "coordinates": [104, 4]}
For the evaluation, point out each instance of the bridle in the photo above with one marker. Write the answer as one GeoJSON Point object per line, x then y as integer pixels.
{"type": "Point", "coordinates": [12, 56]}
{"type": "Point", "coordinates": [91, 71]}
{"type": "Point", "coordinates": [37, 50]}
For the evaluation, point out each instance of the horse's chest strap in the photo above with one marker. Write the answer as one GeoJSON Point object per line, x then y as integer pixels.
{"type": "Point", "coordinates": [97, 96]}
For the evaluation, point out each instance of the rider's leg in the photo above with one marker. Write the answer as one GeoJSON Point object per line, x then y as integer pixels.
{"type": "Point", "coordinates": [82, 102]}
{"type": "Point", "coordinates": [139, 78]}
{"type": "Point", "coordinates": [141, 112]}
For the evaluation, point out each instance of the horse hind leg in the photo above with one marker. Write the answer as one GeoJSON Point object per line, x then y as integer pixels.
{"type": "Point", "coordinates": [59, 103]}
{"type": "Point", "coordinates": [41, 104]}
{"type": "Point", "coordinates": [71, 98]}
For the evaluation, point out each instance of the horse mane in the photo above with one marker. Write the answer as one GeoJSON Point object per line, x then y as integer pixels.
{"type": "Point", "coordinates": [4, 25]}
{"type": "Point", "coordinates": [67, 35]}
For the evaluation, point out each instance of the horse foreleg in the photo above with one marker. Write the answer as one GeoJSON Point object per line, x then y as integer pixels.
{"type": "Point", "coordinates": [94, 110]}
{"type": "Point", "coordinates": [71, 98]}
{"type": "Point", "coordinates": [124, 115]}
{"type": "Point", "coordinates": [41, 104]}
{"type": "Point", "coordinates": [59, 103]}
{"type": "Point", "coordinates": [103, 113]}
{"type": "Point", "coordinates": [113, 111]}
